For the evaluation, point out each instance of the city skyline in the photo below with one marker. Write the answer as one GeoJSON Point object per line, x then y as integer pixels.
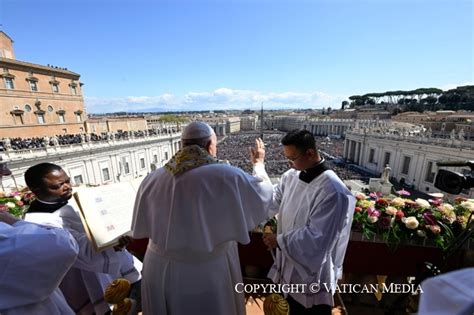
{"type": "Point", "coordinates": [202, 55]}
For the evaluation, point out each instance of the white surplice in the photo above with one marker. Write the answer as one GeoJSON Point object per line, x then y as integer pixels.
{"type": "Point", "coordinates": [194, 221]}
{"type": "Point", "coordinates": [314, 226]}
{"type": "Point", "coordinates": [33, 261]}
{"type": "Point", "coordinates": [450, 293]}
{"type": "Point", "coordinates": [84, 285]}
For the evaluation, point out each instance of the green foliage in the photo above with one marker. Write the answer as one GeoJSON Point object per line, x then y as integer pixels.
{"type": "Point", "coordinates": [461, 97]}
{"type": "Point", "coordinates": [15, 203]}
{"type": "Point", "coordinates": [172, 119]}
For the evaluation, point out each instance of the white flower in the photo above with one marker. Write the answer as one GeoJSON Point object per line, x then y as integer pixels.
{"type": "Point", "coordinates": [411, 223]}
{"type": "Point", "coordinates": [10, 205]}
{"type": "Point", "coordinates": [360, 196]}
{"type": "Point", "coordinates": [446, 208]}
{"type": "Point", "coordinates": [468, 205]}
{"type": "Point", "coordinates": [450, 217]}
{"type": "Point", "coordinates": [421, 233]}
{"type": "Point", "coordinates": [398, 202]}
{"type": "Point", "coordinates": [437, 195]}
{"type": "Point", "coordinates": [17, 197]}
{"type": "Point", "coordinates": [423, 203]}
{"type": "Point", "coordinates": [373, 219]}
{"type": "Point", "coordinates": [391, 211]}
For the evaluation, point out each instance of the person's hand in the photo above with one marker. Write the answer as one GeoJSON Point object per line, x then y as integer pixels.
{"type": "Point", "coordinates": [8, 218]}
{"type": "Point", "coordinates": [257, 154]}
{"type": "Point", "coordinates": [123, 242]}
{"type": "Point", "coordinates": [270, 240]}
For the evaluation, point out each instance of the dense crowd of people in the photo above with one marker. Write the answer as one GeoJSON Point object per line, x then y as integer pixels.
{"type": "Point", "coordinates": [235, 149]}
{"type": "Point", "coordinates": [67, 139]}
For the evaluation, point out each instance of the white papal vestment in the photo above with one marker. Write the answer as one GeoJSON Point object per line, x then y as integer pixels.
{"type": "Point", "coordinates": [194, 221]}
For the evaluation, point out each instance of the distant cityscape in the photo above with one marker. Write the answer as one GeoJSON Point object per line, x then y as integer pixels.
{"type": "Point", "coordinates": [44, 118]}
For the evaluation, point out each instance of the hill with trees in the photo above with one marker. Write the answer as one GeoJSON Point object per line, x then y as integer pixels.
{"type": "Point", "coordinates": [421, 99]}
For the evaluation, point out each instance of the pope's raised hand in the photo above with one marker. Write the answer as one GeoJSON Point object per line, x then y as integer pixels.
{"type": "Point", "coordinates": [257, 153]}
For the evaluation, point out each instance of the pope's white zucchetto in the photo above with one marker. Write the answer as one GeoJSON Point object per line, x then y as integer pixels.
{"type": "Point", "coordinates": [197, 130]}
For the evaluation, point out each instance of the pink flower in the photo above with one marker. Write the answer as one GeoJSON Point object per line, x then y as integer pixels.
{"type": "Point", "coordinates": [375, 195]}
{"type": "Point", "coordinates": [3, 208]}
{"type": "Point", "coordinates": [403, 192]}
{"type": "Point", "coordinates": [391, 211]}
{"type": "Point", "coordinates": [373, 213]}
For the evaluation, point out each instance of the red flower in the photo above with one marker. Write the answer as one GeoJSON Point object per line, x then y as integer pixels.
{"type": "Point", "coordinates": [435, 202]}
{"type": "Point", "coordinates": [358, 209]}
{"type": "Point", "coordinates": [400, 215]}
{"type": "Point", "coordinates": [3, 208]}
{"type": "Point", "coordinates": [411, 204]}
{"type": "Point", "coordinates": [382, 202]}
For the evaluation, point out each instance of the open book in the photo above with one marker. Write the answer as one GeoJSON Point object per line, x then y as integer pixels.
{"type": "Point", "coordinates": [107, 211]}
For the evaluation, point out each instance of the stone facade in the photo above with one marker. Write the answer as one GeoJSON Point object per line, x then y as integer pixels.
{"type": "Point", "coordinates": [99, 125]}
{"type": "Point", "coordinates": [320, 127]}
{"type": "Point", "coordinates": [249, 122]}
{"type": "Point", "coordinates": [97, 163]}
{"type": "Point", "coordinates": [412, 158]}
{"type": "Point", "coordinates": [37, 100]}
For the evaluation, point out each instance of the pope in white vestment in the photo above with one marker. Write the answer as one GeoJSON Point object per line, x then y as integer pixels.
{"type": "Point", "coordinates": [34, 260]}
{"type": "Point", "coordinates": [194, 211]}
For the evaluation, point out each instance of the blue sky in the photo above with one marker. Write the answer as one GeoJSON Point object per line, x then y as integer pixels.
{"type": "Point", "coordinates": [192, 55]}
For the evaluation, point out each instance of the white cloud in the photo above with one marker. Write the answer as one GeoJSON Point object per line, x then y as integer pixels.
{"type": "Point", "coordinates": [222, 98]}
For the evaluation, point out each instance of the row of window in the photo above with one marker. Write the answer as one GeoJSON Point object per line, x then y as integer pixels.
{"type": "Point", "coordinates": [18, 118]}
{"type": "Point", "coordinates": [125, 167]}
{"type": "Point", "coordinates": [9, 85]}
{"type": "Point", "coordinates": [429, 174]}
{"type": "Point", "coordinates": [28, 108]}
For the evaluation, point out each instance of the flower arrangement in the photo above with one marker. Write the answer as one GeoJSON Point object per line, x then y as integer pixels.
{"type": "Point", "coordinates": [15, 202]}
{"type": "Point", "coordinates": [399, 219]}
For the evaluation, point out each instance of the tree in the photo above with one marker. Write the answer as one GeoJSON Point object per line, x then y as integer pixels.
{"type": "Point", "coordinates": [370, 101]}
{"type": "Point", "coordinates": [357, 100]}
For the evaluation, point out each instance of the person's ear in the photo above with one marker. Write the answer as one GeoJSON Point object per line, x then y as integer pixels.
{"type": "Point", "coordinates": [311, 153]}
{"type": "Point", "coordinates": [208, 145]}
